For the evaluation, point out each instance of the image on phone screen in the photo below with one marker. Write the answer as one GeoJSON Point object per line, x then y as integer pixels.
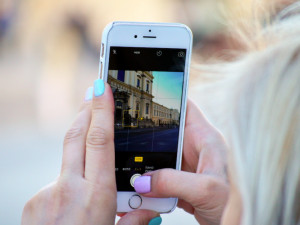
{"type": "Point", "coordinates": [147, 85]}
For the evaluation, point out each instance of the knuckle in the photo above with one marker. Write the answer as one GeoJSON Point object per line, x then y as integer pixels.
{"type": "Point", "coordinates": [97, 137]}
{"type": "Point", "coordinates": [29, 206]}
{"type": "Point", "coordinates": [216, 137]}
{"type": "Point", "coordinates": [72, 134]}
{"type": "Point", "coordinates": [64, 186]}
{"type": "Point", "coordinates": [210, 188]}
{"type": "Point", "coordinates": [161, 181]}
{"type": "Point", "coordinates": [65, 190]}
{"type": "Point", "coordinates": [99, 108]}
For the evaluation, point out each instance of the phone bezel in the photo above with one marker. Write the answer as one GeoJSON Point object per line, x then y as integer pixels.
{"type": "Point", "coordinates": [168, 35]}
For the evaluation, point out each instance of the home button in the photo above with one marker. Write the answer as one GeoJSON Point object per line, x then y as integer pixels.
{"type": "Point", "coordinates": [135, 201]}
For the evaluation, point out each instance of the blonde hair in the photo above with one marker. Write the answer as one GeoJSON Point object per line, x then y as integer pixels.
{"type": "Point", "coordinates": [261, 121]}
{"type": "Point", "coordinates": [264, 136]}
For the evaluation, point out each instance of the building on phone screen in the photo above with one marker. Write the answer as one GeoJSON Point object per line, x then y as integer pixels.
{"type": "Point", "coordinates": [134, 105]}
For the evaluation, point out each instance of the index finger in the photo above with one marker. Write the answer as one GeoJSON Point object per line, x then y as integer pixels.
{"type": "Point", "coordinates": [204, 147]}
{"type": "Point", "coordinates": [100, 156]}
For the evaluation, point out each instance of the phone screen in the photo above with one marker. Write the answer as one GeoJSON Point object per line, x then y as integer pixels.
{"type": "Point", "coordinates": [147, 85]}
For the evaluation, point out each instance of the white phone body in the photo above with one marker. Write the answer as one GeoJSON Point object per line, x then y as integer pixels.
{"type": "Point", "coordinates": [168, 35]}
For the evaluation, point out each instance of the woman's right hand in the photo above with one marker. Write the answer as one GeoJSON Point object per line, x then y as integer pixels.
{"type": "Point", "coordinates": [202, 187]}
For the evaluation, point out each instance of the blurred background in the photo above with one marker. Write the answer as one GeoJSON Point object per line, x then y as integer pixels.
{"type": "Point", "coordinates": [49, 51]}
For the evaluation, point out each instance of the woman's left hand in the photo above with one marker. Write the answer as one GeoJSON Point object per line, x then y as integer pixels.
{"type": "Point", "coordinates": [85, 192]}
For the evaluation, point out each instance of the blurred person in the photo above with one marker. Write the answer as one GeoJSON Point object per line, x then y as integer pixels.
{"type": "Point", "coordinates": [7, 11]}
{"type": "Point", "coordinates": [262, 123]}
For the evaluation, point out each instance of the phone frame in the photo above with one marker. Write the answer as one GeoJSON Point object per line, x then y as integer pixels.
{"type": "Point", "coordinates": [168, 35]}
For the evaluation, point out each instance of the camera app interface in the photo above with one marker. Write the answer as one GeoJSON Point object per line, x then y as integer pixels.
{"type": "Point", "coordinates": [147, 85]}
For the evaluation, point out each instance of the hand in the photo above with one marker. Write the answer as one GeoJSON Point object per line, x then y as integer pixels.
{"type": "Point", "coordinates": [85, 191]}
{"type": "Point", "coordinates": [202, 190]}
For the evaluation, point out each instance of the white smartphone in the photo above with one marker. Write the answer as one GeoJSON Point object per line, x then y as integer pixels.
{"type": "Point", "coordinates": [147, 67]}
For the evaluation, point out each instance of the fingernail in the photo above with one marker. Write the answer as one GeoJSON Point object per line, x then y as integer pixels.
{"type": "Point", "coordinates": [99, 87]}
{"type": "Point", "coordinates": [142, 184]}
{"type": "Point", "coordinates": [155, 221]}
{"type": "Point", "coordinates": [89, 94]}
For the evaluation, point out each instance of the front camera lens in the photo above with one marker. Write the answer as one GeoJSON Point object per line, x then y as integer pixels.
{"type": "Point", "coordinates": [135, 36]}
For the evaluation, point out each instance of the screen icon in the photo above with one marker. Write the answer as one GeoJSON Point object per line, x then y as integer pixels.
{"type": "Point", "coordinates": [159, 53]}
{"type": "Point", "coordinates": [132, 179]}
{"type": "Point", "coordinates": [180, 54]}
{"type": "Point", "coordinates": [138, 158]}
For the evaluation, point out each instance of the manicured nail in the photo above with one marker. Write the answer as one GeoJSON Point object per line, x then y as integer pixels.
{"type": "Point", "coordinates": [89, 94]}
{"type": "Point", "coordinates": [99, 87]}
{"type": "Point", "coordinates": [142, 184]}
{"type": "Point", "coordinates": [155, 221]}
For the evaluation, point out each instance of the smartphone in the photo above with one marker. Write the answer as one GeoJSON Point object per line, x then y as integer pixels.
{"type": "Point", "coordinates": [147, 67]}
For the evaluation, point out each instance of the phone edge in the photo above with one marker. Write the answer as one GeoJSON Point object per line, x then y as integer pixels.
{"type": "Point", "coordinates": [102, 70]}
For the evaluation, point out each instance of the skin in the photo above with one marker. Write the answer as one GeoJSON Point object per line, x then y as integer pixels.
{"type": "Point", "coordinates": [233, 210]}
{"type": "Point", "coordinates": [203, 188]}
{"type": "Point", "coordinates": [85, 191]}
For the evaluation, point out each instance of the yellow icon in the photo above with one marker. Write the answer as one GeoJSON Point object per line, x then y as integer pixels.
{"type": "Point", "coordinates": [138, 159]}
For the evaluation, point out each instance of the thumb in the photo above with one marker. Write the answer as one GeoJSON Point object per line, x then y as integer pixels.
{"type": "Point", "coordinates": [195, 189]}
{"type": "Point", "coordinates": [140, 217]}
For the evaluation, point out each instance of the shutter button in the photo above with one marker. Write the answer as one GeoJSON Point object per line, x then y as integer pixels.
{"type": "Point", "coordinates": [132, 179]}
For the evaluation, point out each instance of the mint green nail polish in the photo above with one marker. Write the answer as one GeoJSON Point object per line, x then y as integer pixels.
{"type": "Point", "coordinates": [89, 94]}
{"type": "Point", "coordinates": [99, 87]}
{"type": "Point", "coordinates": [155, 221]}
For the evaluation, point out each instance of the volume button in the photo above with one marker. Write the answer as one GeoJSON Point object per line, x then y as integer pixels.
{"type": "Point", "coordinates": [101, 73]}
{"type": "Point", "coordinates": [102, 50]}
